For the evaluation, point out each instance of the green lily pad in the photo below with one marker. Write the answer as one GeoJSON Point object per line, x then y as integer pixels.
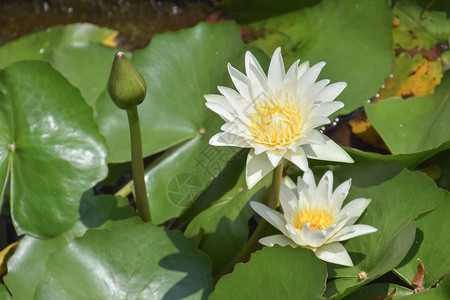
{"type": "Point", "coordinates": [275, 273]}
{"type": "Point", "coordinates": [353, 37]}
{"type": "Point", "coordinates": [222, 228]}
{"type": "Point", "coordinates": [26, 268]}
{"type": "Point", "coordinates": [441, 292]}
{"type": "Point", "coordinates": [74, 50]}
{"type": "Point", "coordinates": [374, 291]}
{"type": "Point", "coordinates": [407, 160]}
{"type": "Point", "coordinates": [429, 247]}
{"type": "Point", "coordinates": [414, 124]}
{"type": "Point", "coordinates": [398, 197]}
{"type": "Point", "coordinates": [4, 294]}
{"type": "Point", "coordinates": [51, 144]}
{"type": "Point", "coordinates": [134, 261]}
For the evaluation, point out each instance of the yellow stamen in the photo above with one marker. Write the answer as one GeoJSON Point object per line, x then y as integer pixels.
{"type": "Point", "coordinates": [276, 123]}
{"type": "Point", "coordinates": [318, 219]}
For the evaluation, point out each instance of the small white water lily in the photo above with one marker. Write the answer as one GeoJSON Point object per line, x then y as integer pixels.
{"type": "Point", "coordinates": [276, 115]}
{"type": "Point", "coordinates": [313, 217]}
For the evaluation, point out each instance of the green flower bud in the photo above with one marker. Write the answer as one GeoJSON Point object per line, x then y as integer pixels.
{"type": "Point", "coordinates": [126, 86]}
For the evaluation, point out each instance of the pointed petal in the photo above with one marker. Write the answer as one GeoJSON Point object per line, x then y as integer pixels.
{"type": "Point", "coordinates": [299, 158]}
{"type": "Point", "coordinates": [334, 253]}
{"type": "Point", "coordinates": [239, 103]}
{"type": "Point", "coordinates": [308, 79]}
{"type": "Point", "coordinates": [314, 238]}
{"type": "Point", "coordinates": [275, 157]}
{"type": "Point", "coordinates": [339, 195]}
{"type": "Point", "coordinates": [257, 167]}
{"type": "Point", "coordinates": [304, 66]}
{"type": "Point", "coordinates": [329, 93]}
{"type": "Point", "coordinates": [278, 239]}
{"type": "Point", "coordinates": [317, 88]}
{"type": "Point", "coordinates": [213, 98]}
{"type": "Point", "coordinates": [276, 72]}
{"type": "Point", "coordinates": [308, 179]}
{"type": "Point", "coordinates": [287, 196]}
{"type": "Point", "coordinates": [228, 139]}
{"type": "Point", "coordinates": [326, 109]}
{"type": "Point", "coordinates": [329, 151]}
{"type": "Point", "coordinates": [324, 189]}
{"type": "Point", "coordinates": [272, 216]}
{"type": "Point", "coordinates": [351, 232]}
{"type": "Point", "coordinates": [220, 110]}
{"type": "Point", "coordinates": [355, 208]}
{"type": "Point", "coordinates": [241, 82]}
{"type": "Point", "coordinates": [250, 60]}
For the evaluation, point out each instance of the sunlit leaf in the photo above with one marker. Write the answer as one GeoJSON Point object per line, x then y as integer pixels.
{"type": "Point", "coordinates": [415, 124]}
{"type": "Point", "coordinates": [133, 261]}
{"type": "Point", "coordinates": [49, 138]}
{"type": "Point", "coordinates": [429, 247]}
{"type": "Point", "coordinates": [275, 273]}
{"type": "Point", "coordinates": [353, 37]}
{"type": "Point", "coordinates": [74, 50]}
{"type": "Point", "coordinates": [26, 268]}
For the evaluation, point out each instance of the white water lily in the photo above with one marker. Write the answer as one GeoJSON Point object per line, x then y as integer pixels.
{"type": "Point", "coordinates": [277, 115]}
{"type": "Point", "coordinates": [313, 217]}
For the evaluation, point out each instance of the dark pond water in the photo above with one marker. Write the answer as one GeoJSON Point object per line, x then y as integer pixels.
{"type": "Point", "coordinates": [137, 20]}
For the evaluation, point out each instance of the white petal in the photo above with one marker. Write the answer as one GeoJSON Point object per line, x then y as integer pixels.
{"type": "Point", "coordinates": [264, 90]}
{"type": "Point", "coordinates": [275, 157]}
{"type": "Point", "coordinates": [241, 82]}
{"type": "Point", "coordinates": [324, 188]}
{"type": "Point", "coordinates": [212, 98]}
{"type": "Point", "coordinates": [278, 239]}
{"type": "Point", "coordinates": [308, 79]}
{"type": "Point", "coordinates": [289, 183]}
{"type": "Point", "coordinates": [257, 167]}
{"type": "Point", "coordinates": [355, 208]}
{"type": "Point", "coordinates": [228, 139]}
{"type": "Point", "coordinates": [290, 81]}
{"type": "Point", "coordinates": [317, 88]}
{"type": "Point", "coordinates": [334, 253]}
{"type": "Point", "coordinates": [276, 72]}
{"type": "Point", "coordinates": [308, 180]}
{"type": "Point", "coordinates": [351, 232]}
{"type": "Point", "coordinates": [220, 110]}
{"type": "Point", "coordinates": [327, 108]}
{"type": "Point", "coordinates": [250, 60]}
{"type": "Point", "coordinates": [239, 103]}
{"type": "Point", "coordinates": [339, 195]}
{"type": "Point", "coordinates": [272, 216]}
{"type": "Point", "coordinates": [287, 196]}
{"type": "Point", "coordinates": [329, 93]}
{"type": "Point", "coordinates": [314, 238]}
{"type": "Point", "coordinates": [329, 151]}
{"type": "Point", "coordinates": [297, 239]}
{"type": "Point", "coordinates": [299, 158]}
{"type": "Point", "coordinates": [302, 69]}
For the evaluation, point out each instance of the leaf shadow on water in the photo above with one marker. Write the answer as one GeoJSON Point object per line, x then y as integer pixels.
{"type": "Point", "coordinates": [182, 262]}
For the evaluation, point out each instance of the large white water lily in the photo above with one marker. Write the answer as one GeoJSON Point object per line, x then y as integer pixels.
{"type": "Point", "coordinates": [277, 115]}
{"type": "Point", "coordinates": [313, 217]}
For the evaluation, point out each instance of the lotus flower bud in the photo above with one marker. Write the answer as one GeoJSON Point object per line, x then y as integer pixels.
{"type": "Point", "coordinates": [126, 86]}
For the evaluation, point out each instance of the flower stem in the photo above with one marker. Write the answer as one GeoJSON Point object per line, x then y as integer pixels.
{"type": "Point", "coordinates": [251, 244]}
{"type": "Point", "coordinates": [137, 165]}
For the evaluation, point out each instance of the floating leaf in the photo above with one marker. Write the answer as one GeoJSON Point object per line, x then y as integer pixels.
{"type": "Point", "coordinates": [377, 291]}
{"type": "Point", "coordinates": [26, 268]}
{"type": "Point", "coordinates": [415, 124]}
{"type": "Point", "coordinates": [137, 261]}
{"type": "Point", "coordinates": [4, 294]}
{"type": "Point", "coordinates": [275, 273]}
{"type": "Point", "coordinates": [359, 54]}
{"type": "Point", "coordinates": [74, 50]}
{"type": "Point", "coordinates": [429, 247]}
{"type": "Point", "coordinates": [52, 145]}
